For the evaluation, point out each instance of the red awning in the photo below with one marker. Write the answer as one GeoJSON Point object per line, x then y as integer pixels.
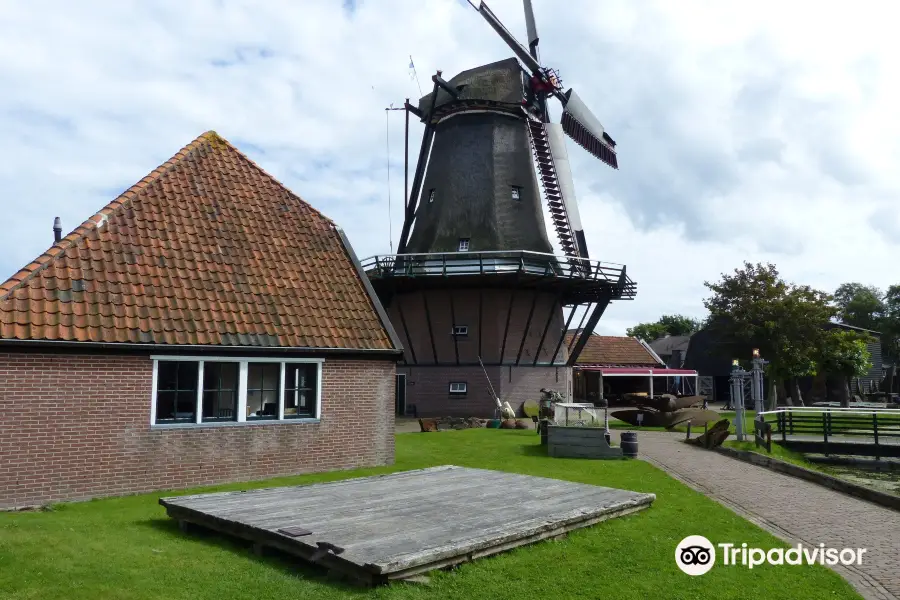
{"type": "Point", "coordinates": [639, 371]}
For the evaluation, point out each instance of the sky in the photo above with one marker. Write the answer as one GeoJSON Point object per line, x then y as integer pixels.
{"type": "Point", "coordinates": [746, 131]}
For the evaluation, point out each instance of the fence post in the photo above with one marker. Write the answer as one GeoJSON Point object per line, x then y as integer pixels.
{"type": "Point", "coordinates": [782, 425]}
{"type": "Point", "coordinates": [875, 431]}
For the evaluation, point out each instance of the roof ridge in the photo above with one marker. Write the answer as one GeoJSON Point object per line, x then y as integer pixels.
{"type": "Point", "coordinates": [72, 239]}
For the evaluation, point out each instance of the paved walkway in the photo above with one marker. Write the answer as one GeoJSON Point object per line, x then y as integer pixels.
{"type": "Point", "coordinates": [790, 508]}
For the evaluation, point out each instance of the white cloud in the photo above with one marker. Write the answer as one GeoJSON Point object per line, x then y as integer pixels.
{"type": "Point", "coordinates": [754, 131]}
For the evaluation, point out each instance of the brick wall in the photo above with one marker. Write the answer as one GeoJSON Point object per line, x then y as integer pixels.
{"type": "Point", "coordinates": [78, 426]}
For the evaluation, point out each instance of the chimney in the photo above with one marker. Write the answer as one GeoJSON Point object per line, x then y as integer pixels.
{"type": "Point", "coordinates": [57, 230]}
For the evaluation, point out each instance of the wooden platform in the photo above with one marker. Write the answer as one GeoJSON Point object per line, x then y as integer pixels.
{"type": "Point", "coordinates": [374, 529]}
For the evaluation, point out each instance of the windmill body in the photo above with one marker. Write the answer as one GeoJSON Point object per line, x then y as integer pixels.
{"type": "Point", "coordinates": [475, 290]}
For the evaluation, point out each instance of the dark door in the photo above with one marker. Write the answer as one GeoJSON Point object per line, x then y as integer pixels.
{"type": "Point", "coordinates": [400, 395]}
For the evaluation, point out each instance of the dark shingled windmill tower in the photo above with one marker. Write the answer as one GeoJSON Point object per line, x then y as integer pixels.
{"type": "Point", "coordinates": [474, 281]}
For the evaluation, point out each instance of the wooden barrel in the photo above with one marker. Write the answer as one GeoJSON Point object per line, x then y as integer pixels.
{"type": "Point", "coordinates": [628, 442]}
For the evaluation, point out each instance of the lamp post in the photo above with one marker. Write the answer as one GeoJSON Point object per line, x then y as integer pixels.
{"type": "Point", "coordinates": [756, 381]}
{"type": "Point", "coordinates": [737, 397]}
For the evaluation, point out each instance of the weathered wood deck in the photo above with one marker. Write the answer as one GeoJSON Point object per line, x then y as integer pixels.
{"type": "Point", "coordinates": [374, 529]}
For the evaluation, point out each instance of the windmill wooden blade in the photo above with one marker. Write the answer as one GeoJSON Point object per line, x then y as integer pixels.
{"type": "Point", "coordinates": [531, 28]}
{"type": "Point", "coordinates": [582, 126]}
{"type": "Point", "coordinates": [520, 50]}
{"type": "Point", "coordinates": [552, 162]}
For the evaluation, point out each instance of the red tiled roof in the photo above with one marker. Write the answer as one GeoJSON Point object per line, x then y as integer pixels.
{"type": "Point", "coordinates": [610, 350]}
{"type": "Point", "coordinates": [208, 249]}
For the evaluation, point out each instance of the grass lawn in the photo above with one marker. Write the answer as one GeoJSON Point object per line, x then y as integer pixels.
{"type": "Point", "coordinates": [778, 451]}
{"type": "Point", "coordinates": [126, 548]}
{"type": "Point", "coordinates": [888, 482]}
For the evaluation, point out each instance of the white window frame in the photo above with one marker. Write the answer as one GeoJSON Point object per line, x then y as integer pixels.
{"type": "Point", "coordinates": [460, 330]}
{"type": "Point", "coordinates": [464, 389]}
{"type": "Point", "coordinates": [515, 192]}
{"type": "Point", "coordinates": [243, 368]}
{"type": "Point", "coordinates": [463, 244]}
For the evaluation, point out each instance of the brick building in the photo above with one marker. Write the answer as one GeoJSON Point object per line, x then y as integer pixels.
{"type": "Point", "coordinates": [206, 326]}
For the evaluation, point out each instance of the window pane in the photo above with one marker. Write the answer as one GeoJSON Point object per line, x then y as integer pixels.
{"type": "Point", "coordinates": [300, 390]}
{"type": "Point", "coordinates": [262, 390]}
{"type": "Point", "coordinates": [176, 391]}
{"type": "Point", "coordinates": [254, 377]}
{"type": "Point", "coordinates": [187, 375]}
{"type": "Point", "coordinates": [229, 376]}
{"type": "Point", "coordinates": [219, 406]}
{"type": "Point", "coordinates": [220, 382]}
{"type": "Point", "coordinates": [165, 406]}
{"type": "Point", "coordinates": [186, 405]}
{"type": "Point", "coordinates": [210, 376]}
{"type": "Point", "coordinates": [167, 375]}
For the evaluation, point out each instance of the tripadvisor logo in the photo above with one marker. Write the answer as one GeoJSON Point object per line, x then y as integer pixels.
{"type": "Point", "coordinates": [696, 555]}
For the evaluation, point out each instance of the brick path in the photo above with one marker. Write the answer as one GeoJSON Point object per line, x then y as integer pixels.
{"type": "Point", "coordinates": [790, 508]}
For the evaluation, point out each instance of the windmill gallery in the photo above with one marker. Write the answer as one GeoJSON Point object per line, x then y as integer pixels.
{"type": "Point", "coordinates": [475, 292]}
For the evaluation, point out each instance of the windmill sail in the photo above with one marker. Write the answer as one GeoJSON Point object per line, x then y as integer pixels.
{"type": "Point", "coordinates": [582, 126]}
{"type": "Point", "coordinates": [552, 162]}
{"type": "Point", "coordinates": [566, 184]}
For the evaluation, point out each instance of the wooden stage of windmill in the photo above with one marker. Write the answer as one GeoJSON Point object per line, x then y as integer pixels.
{"type": "Point", "coordinates": [475, 281]}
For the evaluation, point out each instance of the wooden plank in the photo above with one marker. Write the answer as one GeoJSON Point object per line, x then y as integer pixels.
{"type": "Point", "coordinates": [402, 524]}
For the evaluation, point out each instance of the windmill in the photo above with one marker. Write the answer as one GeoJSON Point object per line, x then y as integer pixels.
{"type": "Point", "coordinates": [474, 233]}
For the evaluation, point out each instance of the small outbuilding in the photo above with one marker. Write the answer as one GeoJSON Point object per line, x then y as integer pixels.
{"type": "Point", "coordinates": [206, 326]}
{"type": "Point", "coordinates": [611, 366]}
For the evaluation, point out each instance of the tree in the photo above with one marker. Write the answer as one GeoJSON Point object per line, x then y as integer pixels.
{"type": "Point", "coordinates": [890, 333]}
{"type": "Point", "coordinates": [679, 324]}
{"type": "Point", "coordinates": [868, 307]}
{"type": "Point", "coordinates": [845, 353]}
{"type": "Point", "coordinates": [755, 308]}
{"type": "Point", "coordinates": [665, 325]}
{"type": "Point", "coordinates": [860, 305]}
{"type": "Point", "coordinates": [647, 331]}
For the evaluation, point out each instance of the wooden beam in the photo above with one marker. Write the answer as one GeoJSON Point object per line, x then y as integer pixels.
{"type": "Point", "coordinates": [480, 317]}
{"type": "Point", "coordinates": [527, 327]}
{"type": "Point", "coordinates": [562, 336]}
{"type": "Point", "coordinates": [412, 201]}
{"type": "Point", "coordinates": [405, 330]}
{"type": "Point", "coordinates": [453, 330]}
{"type": "Point", "coordinates": [587, 309]}
{"type": "Point", "coordinates": [430, 330]}
{"type": "Point", "coordinates": [512, 296]}
{"type": "Point", "coordinates": [588, 329]}
{"type": "Point", "coordinates": [537, 354]}
{"type": "Point", "coordinates": [406, 159]}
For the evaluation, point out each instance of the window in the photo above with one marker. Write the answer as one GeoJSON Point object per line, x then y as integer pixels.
{"type": "Point", "coordinates": [458, 387]}
{"type": "Point", "coordinates": [176, 392]}
{"type": "Point", "coordinates": [431, 196]}
{"type": "Point", "coordinates": [300, 390]}
{"type": "Point", "coordinates": [220, 391]}
{"type": "Point", "coordinates": [225, 390]}
{"type": "Point", "coordinates": [263, 387]}
{"type": "Point", "coordinates": [516, 192]}
{"type": "Point", "coordinates": [463, 244]}
{"type": "Point", "coordinates": [460, 330]}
